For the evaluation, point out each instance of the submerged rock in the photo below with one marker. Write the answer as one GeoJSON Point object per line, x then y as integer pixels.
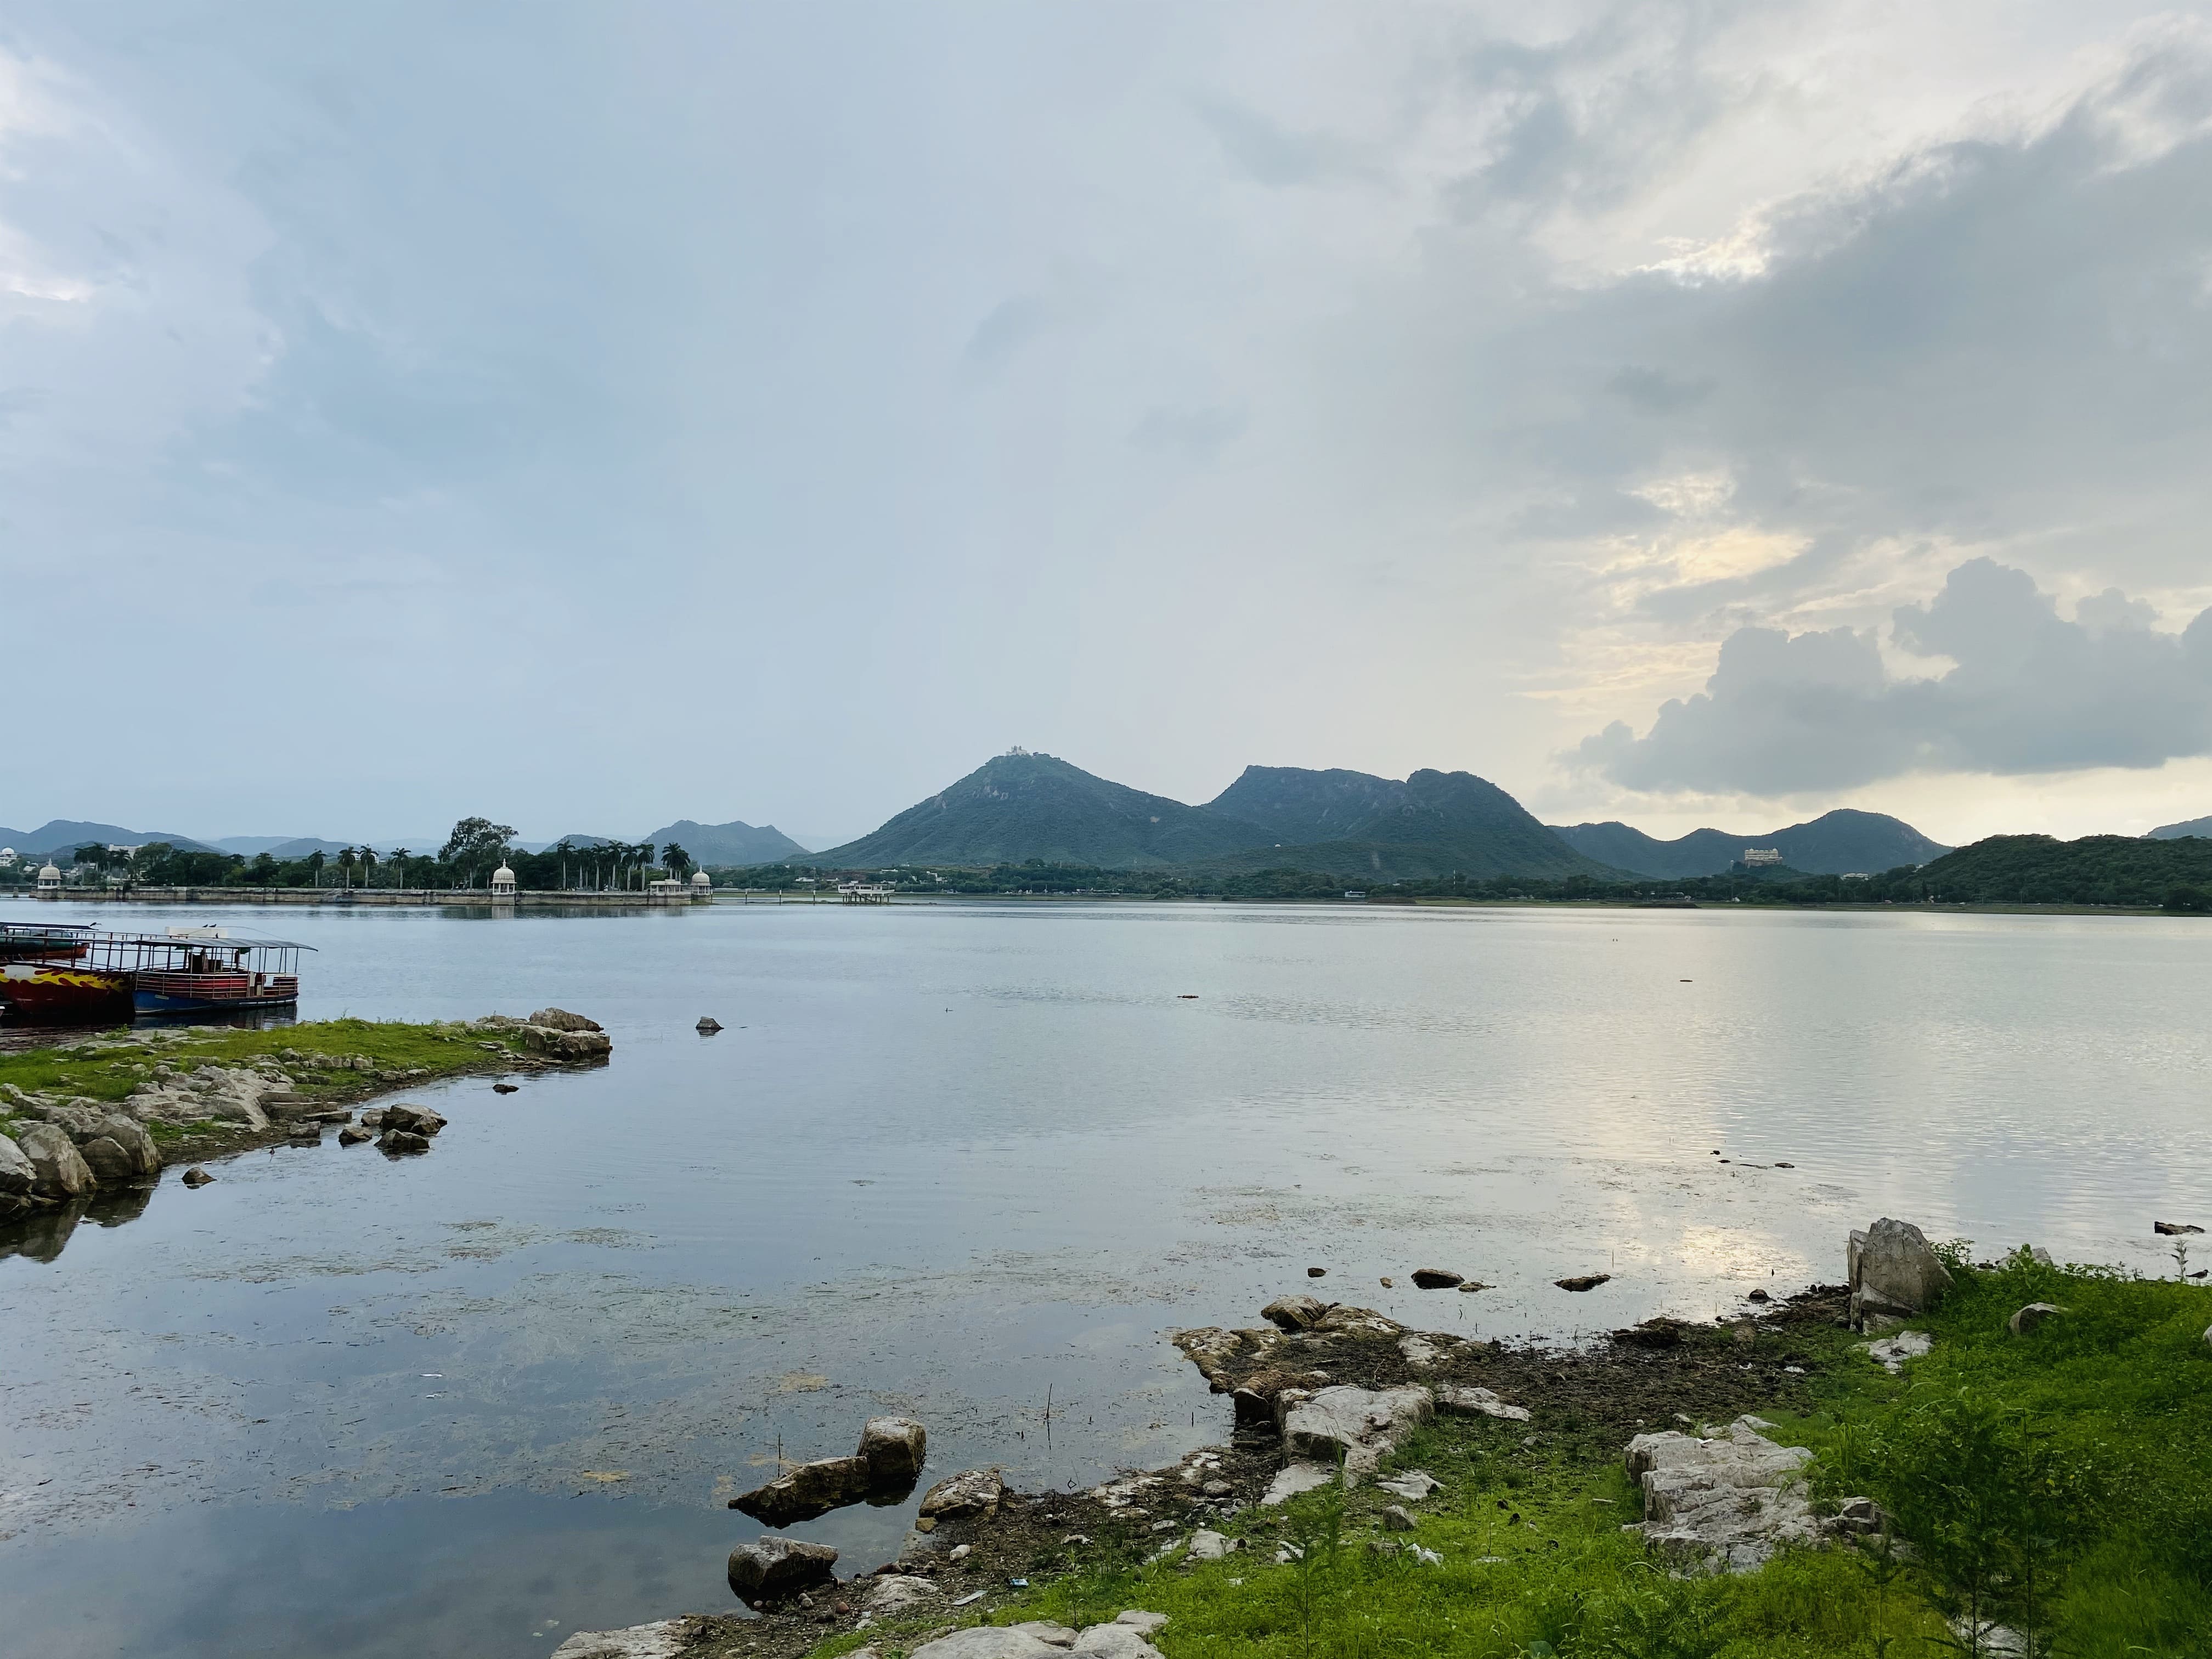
{"type": "Point", "coordinates": [811, 1489]}
{"type": "Point", "coordinates": [1728, 1503]}
{"type": "Point", "coordinates": [196, 1177]}
{"type": "Point", "coordinates": [411, 1118]}
{"type": "Point", "coordinates": [1437, 1279]}
{"type": "Point", "coordinates": [893, 1449]}
{"type": "Point", "coordinates": [771, 1569]}
{"type": "Point", "coordinates": [2174, 1229]}
{"type": "Point", "coordinates": [1584, 1281]}
{"type": "Point", "coordinates": [707, 1025]}
{"type": "Point", "coordinates": [402, 1142]}
{"type": "Point", "coordinates": [353, 1134]}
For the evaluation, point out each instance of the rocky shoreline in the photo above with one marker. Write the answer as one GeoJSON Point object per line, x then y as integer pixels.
{"type": "Point", "coordinates": [1319, 1388]}
{"type": "Point", "coordinates": [64, 1154]}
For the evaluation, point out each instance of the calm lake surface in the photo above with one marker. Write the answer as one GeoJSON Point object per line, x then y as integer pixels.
{"type": "Point", "coordinates": [946, 1158]}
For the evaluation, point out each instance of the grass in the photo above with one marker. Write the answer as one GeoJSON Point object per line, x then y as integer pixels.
{"type": "Point", "coordinates": [2059, 1481]}
{"type": "Point", "coordinates": [110, 1065]}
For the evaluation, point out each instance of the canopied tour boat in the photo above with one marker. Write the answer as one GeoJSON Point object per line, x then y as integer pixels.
{"type": "Point", "coordinates": [73, 973]}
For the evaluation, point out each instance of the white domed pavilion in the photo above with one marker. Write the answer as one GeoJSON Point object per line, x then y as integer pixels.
{"type": "Point", "coordinates": [502, 883]}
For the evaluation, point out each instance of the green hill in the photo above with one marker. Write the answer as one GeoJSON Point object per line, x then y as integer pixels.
{"type": "Point", "coordinates": [1841, 843]}
{"type": "Point", "coordinates": [2039, 870]}
{"type": "Point", "coordinates": [1021, 807]}
{"type": "Point", "coordinates": [1433, 824]}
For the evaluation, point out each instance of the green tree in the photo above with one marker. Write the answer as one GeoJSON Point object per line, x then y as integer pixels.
{"type": "Point", "coordinates": [677, 862]}
{"type": "Point", "coordinates": [477, 845]}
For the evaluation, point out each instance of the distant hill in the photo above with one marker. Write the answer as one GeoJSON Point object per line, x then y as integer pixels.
{"type": "Point", "coordinates": [1433, 824]}
{"type": "Point", "coordinates": [67, 835]}
{"type": "Point", "coordinates": [2176, 832]}
{"type": "Point", "coordinates": [1021, 807]}
{"type": "Point", "coordinates": [733, 842]}
{"type": "Point", "coordinates": [1838, 843]}
{"type": "Point", "coordinates": [2096, 870]}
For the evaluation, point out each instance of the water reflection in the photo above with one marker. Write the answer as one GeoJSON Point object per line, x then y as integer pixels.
{"type": "Point", "coordinates": [45, 1233]}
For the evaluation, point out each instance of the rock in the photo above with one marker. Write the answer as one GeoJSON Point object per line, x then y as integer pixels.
{"type": "Point", "coordinates": [1461, 1399]}
{"type": "Point", "coordinates": [353, 1134]}
{"type": "Point", "coordinates": [560, 1019]}
{"type": "Point", "coordinates": [412, 1119]}
{"type": "Point", "coordinates": [1413, 1486]}
{"type": "Point", "coordinates": [2041, 1257]}
{"type": "Point", "coordinates": [1894, 1270]}
{"type": "Point", "coordinates": [666, 1638]}
{"type": "Point", "coordinates": [988, 1642]}
{"type": "Point", "coordinates": [707, 1025]}
{"type": "Point", "coordinates": [811, 1489]}
{"type": "Point", "coordinates": [1891, 1352]}
{"type": "Point", "coordinates": [976, 1492]}
{"type": "Point", "coordinates": [196, 1177]}
{"type": "Point", "coordinates": [1136, 1619]}
{"type": "Point", "coordinates": [1395, 1518]}
{"type": "Point", "coordinates": [893, 1449]}
{"type": "Point", "coordinates": [1419, 1349]}
{"type": "Point", "coordinates": [1584, 1281]}
{"type": "Point", "coordinates": [505, 1088]}
{"type": "Point", "coordinates": [1361, 1425]}
{"type": "Point", "coordinates": [1295, 1313]}
{"type": "Point", "coordinates": [1471, 1286]}
{"type": "Point", "coordinates": [2034, 1314]}
{"type": "Point", "coordinates": [1437, 1279]}
{"type": "Point", "coordinates": [373, 1118]}
{"type": "Point", "coordinates": [17, 1174]}
{"type": "Point", "coordinates": [57, 1168]}
{"type": "Point", "coordinates": [305, 1134]}
{"type": "Point", "coordinates": [897, 1592]}
{"type": "Point", "coordinates": [1316, 1272]}
{"type": "Point", "coordinates": [1758, 1296]}
{"type": "Point", "coordinates": [1727, 1503]}
{"type": "Point", "coordinates": [2174, 1229]}
{"type": "Point", "coordinates": [400, 1141]}
{"type": "Point", "coordinates": [1389, 1284]}
{"type": "Point", "coordinates": [567, 1045]}
{"type": "Point", "coordinates": [1651, 1333]}
{"type": "Point", "coordinates": [1206, 1545]}
{"type": "Point", "coordinates": [771, 1569]}
{"type": "Point", "coordinates": [1362, 1324]}
{"type": "Point", "coordinates": [1057, 1636]}
{"type": "Point", "coordinates": [1113, 1641]}
{"type": "Point", "coordinates": [1861, 1515]}
{"type": "Point", "coordinates": [123, 1153]}
{"type": "Point", "coordinates": [2207, 1336]}
{"type": "Point", "coordinates": [1294, 1477]}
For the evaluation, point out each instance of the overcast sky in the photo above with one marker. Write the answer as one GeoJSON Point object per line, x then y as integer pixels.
{"type": "Point", "coordinates": [593, 416]}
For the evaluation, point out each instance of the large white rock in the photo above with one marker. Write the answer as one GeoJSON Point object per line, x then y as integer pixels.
{"type": "Point", "coordinates": [896, 1592]}
{"type": "Point", "coordinates": [1463, 1400]}
{"type": "Point", "coordinates": [57, 1168]}
{"type": "Point", "coordinates": [1361, 1425]}
{"type": "Point", "coordinates": [988, 1642]}
{"type": "Point", "coordinates": [1894, 1270]}
{"type": "Point", "coordinates": [1294, 1477]}
{"type": "Point", "coordinates": [976, 1492]}
{"type": "Point", "coordinates": [665, 1638]}
{"type": "Point", "coordinates": [1891, 1352]}
{"type": "Point", "coordinates": [1725, 1503]}
{"type": "Point", "coordinates": [16, 1173]}
{"type": "Point", "coordinates": [1113, 1641]}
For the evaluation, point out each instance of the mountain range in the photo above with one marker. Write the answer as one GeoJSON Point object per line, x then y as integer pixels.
{"type": "Point", "coordinates": [1839, 843]}
{"type": "Point", "coordinates": [67, 835]}
{"type": "Point", "coordinates": [734, 842]}
{"type": "Point", "coordinates": [2177, 831]}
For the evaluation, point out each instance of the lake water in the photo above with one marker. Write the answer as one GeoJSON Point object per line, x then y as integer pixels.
{"type": "Point", "coordinates": [948, 1157]}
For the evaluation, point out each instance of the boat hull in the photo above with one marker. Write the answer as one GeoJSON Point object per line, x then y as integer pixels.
{"type": "Point", "coordinates": [52, 990]}
{"type": "Point", "coordinates": [155, 992]}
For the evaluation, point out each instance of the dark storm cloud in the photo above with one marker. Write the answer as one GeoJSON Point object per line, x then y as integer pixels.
{"type": "Point", "coordinates": [2029, 692]}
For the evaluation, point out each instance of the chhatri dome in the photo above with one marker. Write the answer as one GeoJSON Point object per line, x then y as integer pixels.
{"type": "Point", "coordinates": [502, 880]}
{"type": "Point", "coordinates": [701, 878]}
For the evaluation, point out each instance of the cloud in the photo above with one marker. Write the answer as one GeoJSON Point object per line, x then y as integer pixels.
{"type": "Point", "coordinates": [2027, 692]}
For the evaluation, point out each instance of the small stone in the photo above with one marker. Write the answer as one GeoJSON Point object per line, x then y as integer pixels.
{"type": "Point", "coordinates": [1746, 1333]}
{"type": "Point", "coordinates": [1218, 1489]}
{"type": "Point", "coordinates": [2034, 1314]}
{"type": "Point", "coordinates": [708, 1025]}
{"type": "Point", "coordinates": [1206, 1545]}
{"type": "Point", "coordinates": [926, 1523]}
{"type": "Point", "coordinates": [1584, 1281]}
{"type": "Point", "coordinates": [1397, 1519]}
{"type": "Point", "coordinates": [2174, 1229]}
{"type": "Point", "coordinates": [1316, 1272]}
{"type": "Point", "coordinates": [504, 1088]}
{"type": "Point", "coordinates": [1437, 1279]}
{"type": "Point", "coordinates": [353, 1134]}
{"type": "Point", "coordinates": [1759, 1296]}
{"type": "Point", "coordinates": [1458, 1399]}
{"type": "Point", "coordinates": [402, 1142]}
{"type": "Point", "coordinates": [962, 1551]}
{"type": "Point", "coordinates": [1473, 1285]}
{"type": "Point", "coordinates": [196, 1177]}
{"type": "Point", "coordinates": [1389, 1284]}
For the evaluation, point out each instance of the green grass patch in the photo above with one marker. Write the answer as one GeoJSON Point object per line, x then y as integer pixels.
{"type": "Point", "coordinates": [111, 1066]}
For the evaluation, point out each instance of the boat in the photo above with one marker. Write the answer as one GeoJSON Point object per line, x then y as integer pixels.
{"type": "Point", "coordinates": [190, 970]}
{"type": "Point", "coordinates": [75, 974]}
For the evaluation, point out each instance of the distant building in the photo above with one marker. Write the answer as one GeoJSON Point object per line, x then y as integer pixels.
{"type": "Point", "coordinates": [1755, 856]}
{"type": "Point", "coordinates": [502, 883]}
{"type": "Point", "coordinates": [50, 879]}
{"type": "Point", "coordinates": [7, 858]}
{"type": "Point", "coordinates": [1354, 893]}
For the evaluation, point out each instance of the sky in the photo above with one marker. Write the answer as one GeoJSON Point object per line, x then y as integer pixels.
{"type": "Point", "coordinates": [593, 416]}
